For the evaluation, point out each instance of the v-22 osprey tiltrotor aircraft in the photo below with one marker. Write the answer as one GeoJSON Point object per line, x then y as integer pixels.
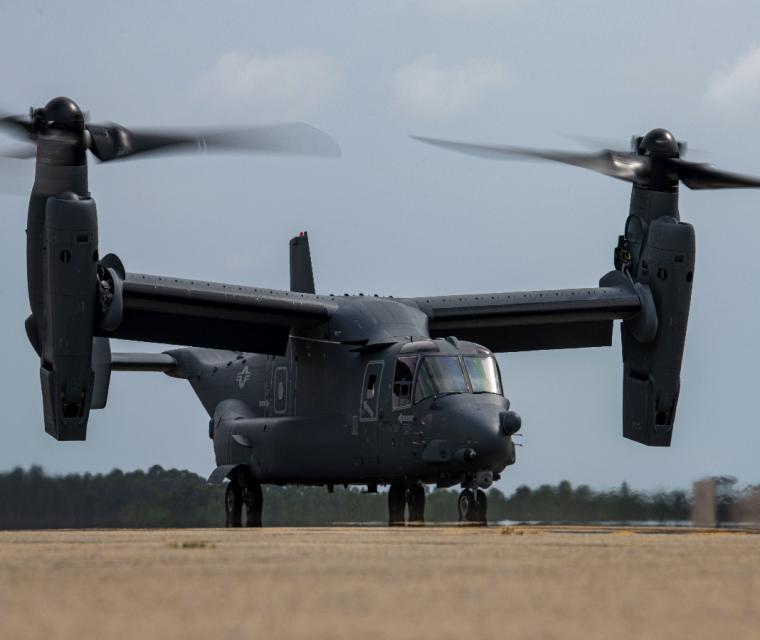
{"type": "Point", "coordinates": [312, 389]}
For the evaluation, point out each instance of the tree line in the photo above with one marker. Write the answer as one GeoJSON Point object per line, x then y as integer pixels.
{"type": "Point", "coordinates": [32, 499]}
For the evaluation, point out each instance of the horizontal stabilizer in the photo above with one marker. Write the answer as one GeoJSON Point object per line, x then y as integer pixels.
{"type": "Point", "coordinates": [159, 362]}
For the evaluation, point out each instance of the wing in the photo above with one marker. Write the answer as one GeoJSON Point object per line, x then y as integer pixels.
{"type": "Point", "coordinates": [532, 320]}
{"type": "Point", "coordinates": [214, 315]}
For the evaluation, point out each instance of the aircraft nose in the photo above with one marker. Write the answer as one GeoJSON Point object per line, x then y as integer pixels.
{"type": "Point", "coordinates": [491, 445]}
{"type": "Point", "coordinates": [479, 428]}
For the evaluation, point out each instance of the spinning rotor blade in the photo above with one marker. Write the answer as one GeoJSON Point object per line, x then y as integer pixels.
{"type": "Point", "coordinates": [16, 178]}
{"type": "Point", "coordinates": [655, 163]}
{"type": "Point", "coordinates": [25, 152]}
{"type": "Point", "coordinates": [61, 129]}
{"type": "Point", "coordinates": [617, 164]}
{"type": "Point", "coordinates": [18, 126]}
{"type": "Point", "coordinates": [593, 142]}
{"type": "Point", "coordinates": [113, 141]}
{"type": "Point", "coordinates": [696, 175]}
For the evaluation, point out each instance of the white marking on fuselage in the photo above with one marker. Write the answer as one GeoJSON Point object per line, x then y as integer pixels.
{"type": "Point", "coordinates": [243, 377]}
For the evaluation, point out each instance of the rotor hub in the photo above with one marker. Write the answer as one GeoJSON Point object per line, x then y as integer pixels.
{"type": "Point", "coordinates": [659, 143]}
{"type": "Point", "coordinates": [61, 112]}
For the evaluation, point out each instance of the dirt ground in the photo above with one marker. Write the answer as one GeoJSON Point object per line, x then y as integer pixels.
{"type": "Point", "coordinates": [365, 583]}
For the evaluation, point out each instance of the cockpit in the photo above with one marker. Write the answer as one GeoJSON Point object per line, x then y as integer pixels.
{"type": "Point", "coordinates": [418, 377]}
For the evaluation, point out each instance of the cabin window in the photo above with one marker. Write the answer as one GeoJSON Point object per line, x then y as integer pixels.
{"type": "Point", "coordinates": [440, 375]}
{"type": "Point", "coordinates": [280, 390]}
{"type": "Point", "coordinates": [370, 394]}
{"type": "Point", "coordinates": [402, 381]}
{"type": "Point", "coordinates": [371, 384]}
{"type": "Point", "coordinates": [483, 374]}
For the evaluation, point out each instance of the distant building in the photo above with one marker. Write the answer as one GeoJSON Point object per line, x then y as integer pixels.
{"type": "Point", "coordinates": [717, 503]}
{"type": "Point", "coordinates": [705, 510]}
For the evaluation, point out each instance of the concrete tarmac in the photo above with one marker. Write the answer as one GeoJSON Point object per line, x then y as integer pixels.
{"type": "Point", "coordinates": [367, 583]}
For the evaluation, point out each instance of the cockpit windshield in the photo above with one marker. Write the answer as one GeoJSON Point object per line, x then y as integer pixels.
{"type": "Point", "coordinates": [418, 377]}
{"type": "Point", "coordinates": [483, 374]}
{"type": "Point", "coordinates": [439, 374]}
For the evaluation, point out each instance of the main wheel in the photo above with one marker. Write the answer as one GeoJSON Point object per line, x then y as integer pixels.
{"type": "Point", "coordinates": [254, 504]}
{"type": "Point", "coordinates": [233, 504]}
{"type": "Point", "coordinates": [466, 505]}
{"type": "Point", "coordinates": [415, 497]}
{"type": "Point", "coordinates": [396, 505]}
{"type": "Point", "coordinates": [482, 507]}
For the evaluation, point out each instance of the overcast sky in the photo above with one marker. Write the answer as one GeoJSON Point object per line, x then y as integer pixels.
{"type": "Point", "coordinates": [397, 217]}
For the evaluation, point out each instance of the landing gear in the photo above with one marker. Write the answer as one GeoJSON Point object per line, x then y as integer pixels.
{"type": "Point", "coordinates": [473, 507]}
{"type": "Point", "coordinates": [243, 491]}
{"type": "Point", "coordinates": [415, 498]}
{"type": "Point", "coordinates": [399, 497]}
{"type": "Point", "coordinates": [396, 505]}
{"type": "Point", "coordinates": [233, 504]}
{"type": "Point", "coordinates": [254, 504]}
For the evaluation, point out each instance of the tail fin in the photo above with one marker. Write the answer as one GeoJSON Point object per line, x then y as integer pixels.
{"type": "Point", "coordinates": [301, 274]}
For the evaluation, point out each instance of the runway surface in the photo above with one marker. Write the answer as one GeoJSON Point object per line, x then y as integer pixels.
{"type": "Point", "coordinates": [365, 583]}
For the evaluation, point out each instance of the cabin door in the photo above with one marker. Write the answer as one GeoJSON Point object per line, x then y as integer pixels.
{"type": "Point", "coordinates": [369, 405]}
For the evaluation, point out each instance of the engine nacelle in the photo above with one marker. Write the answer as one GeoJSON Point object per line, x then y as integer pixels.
{"type": "Point", "coordinates": [662, 263]}
{"type": "Point", "coordinates": [69, 295]}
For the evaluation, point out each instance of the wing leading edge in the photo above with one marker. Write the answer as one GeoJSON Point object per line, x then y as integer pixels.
{"type": "Point", "coordinates": [214, 315]}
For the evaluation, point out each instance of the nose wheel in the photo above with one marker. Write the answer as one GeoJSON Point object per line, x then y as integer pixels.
{"type": "Point", "coordinates": [473, 507]}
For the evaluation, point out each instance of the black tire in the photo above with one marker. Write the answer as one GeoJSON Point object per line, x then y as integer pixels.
{"type": "Point", "coordinates": [415, 498]}
{"type": "Point", "coordinates": [473, 507]}
{"type": "Point", "coordinates": [396, 505]}
{"type": "Point", "coordinates": [233, 504]}
{"type": "Point", "coordinates": [466, 506]}
{"type": "Point", "coordinates": [254, 504]}
{"type": "Point", "coordinates": [482, 507]}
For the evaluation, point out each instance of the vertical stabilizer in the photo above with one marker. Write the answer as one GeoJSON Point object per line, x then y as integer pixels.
{"type": "Point", "coordinates": [301, 275]}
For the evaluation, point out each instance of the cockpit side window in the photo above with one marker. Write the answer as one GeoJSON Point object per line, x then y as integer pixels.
{"type": "Point", "coordinates": [402, 381]}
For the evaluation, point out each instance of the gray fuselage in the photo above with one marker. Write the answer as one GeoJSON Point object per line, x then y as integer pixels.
{"type": "Point", "coordinates": [333, 412]}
